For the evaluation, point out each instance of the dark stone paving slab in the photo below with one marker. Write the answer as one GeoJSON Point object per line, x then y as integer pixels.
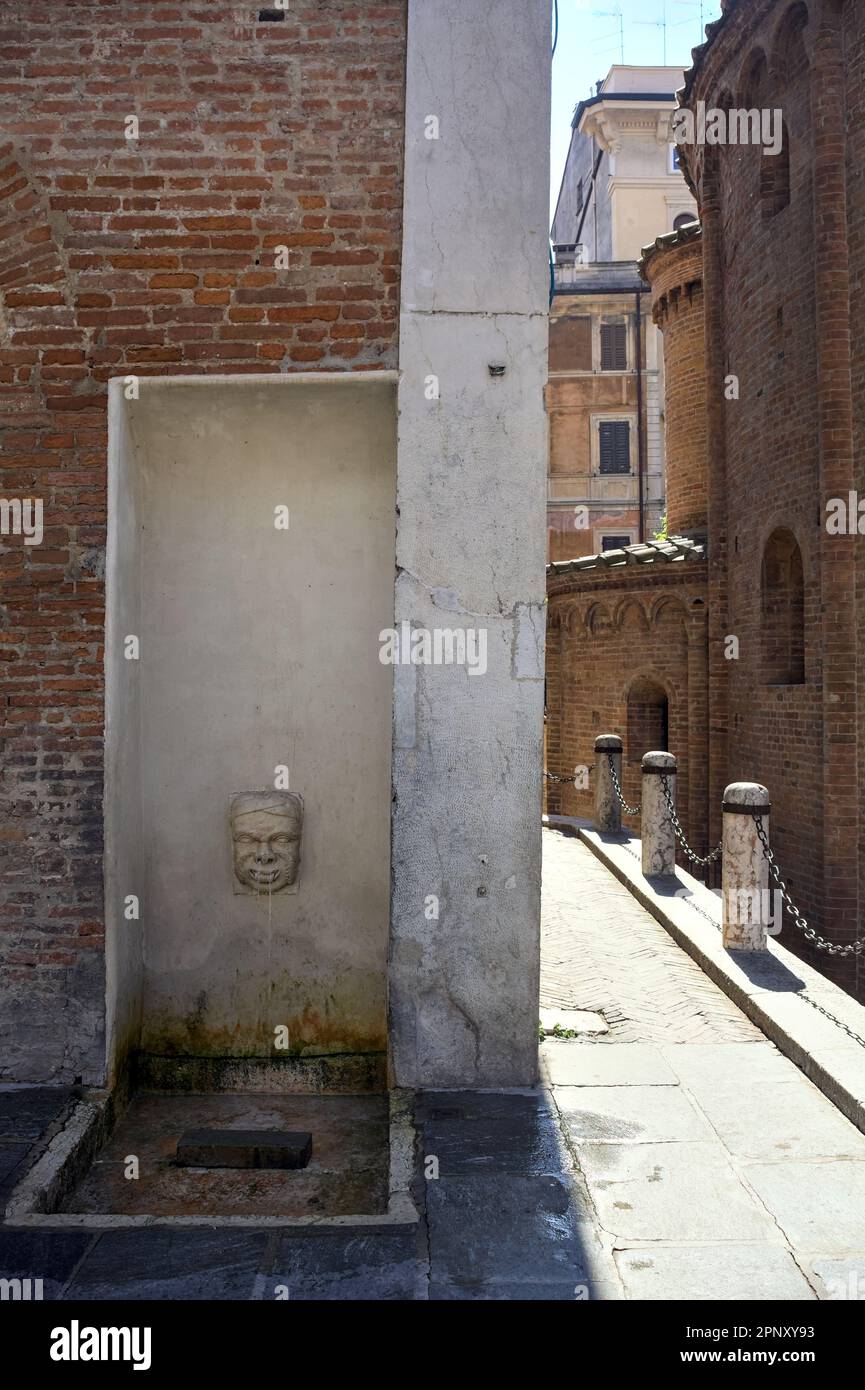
{"type": "Point", "coordinates": [47, 1255]}
{"type": "Point", "coordinates": [182, 1265]}
{"type": "Point", "coordinates": [11, 1156]}
{"type": "Point", "coordinates": [350, 1265]}
{"type": "Point", "coordinates": [508, 1228]}
{"type": "Point", "coordinates": [25, 1112]}
{"type": "Point", "coordinates": [480, 1105]}
{"type": "Point", "coordinates": [527, 1144]}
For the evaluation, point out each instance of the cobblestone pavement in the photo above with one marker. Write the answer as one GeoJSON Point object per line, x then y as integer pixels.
{"type": "Point", "coordinates": [601, 951]}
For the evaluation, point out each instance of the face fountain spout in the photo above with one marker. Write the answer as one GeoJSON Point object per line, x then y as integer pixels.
{"type": "Point", "coordinates": [266, 832]}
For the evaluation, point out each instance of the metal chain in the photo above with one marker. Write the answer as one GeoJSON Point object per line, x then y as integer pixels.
{"type": "Point", "coordinates": [553, 777]}
{"type": "Point", "coordinates": [806, 998]}
{"type": "Point", "coordinates": [679, 832]}
{"type": "Point", "coordinates": [852, 949]}
{"type": "Point", "coordinates": [630, 810]}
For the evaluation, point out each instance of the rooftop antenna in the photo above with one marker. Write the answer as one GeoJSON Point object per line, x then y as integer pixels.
{"type": "Point", "coordinates": [658, 24]}
{"type": "Point", "coordinates": [615, 14]}
{"type": "Point", "coordinates": [693, 5]}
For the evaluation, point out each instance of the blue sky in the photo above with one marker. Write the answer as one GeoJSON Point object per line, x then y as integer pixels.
{"type": "Point", "coordinates": [589, 45]}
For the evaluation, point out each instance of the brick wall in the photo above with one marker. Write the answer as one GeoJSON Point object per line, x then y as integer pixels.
{"type": "Point", "coordinates": [785, 285]}
{"type": "Point", "coordinates": [675, 271]}
{"type": "Point", "coordinates": [609, 632]}
{"type": "Point", "coordinates": [155, 255]}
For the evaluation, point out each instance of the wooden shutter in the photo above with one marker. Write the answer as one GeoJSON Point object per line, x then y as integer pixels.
{"type": "Point", "coordinates": [615, 440]}
{"type": "Point", "coordinates": [614, 347]}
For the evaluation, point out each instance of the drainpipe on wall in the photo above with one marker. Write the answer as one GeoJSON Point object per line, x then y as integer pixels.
{"type": "Point", "coordinates": [589, 199]}
{"type": "Point", "coordinates": [641, 460]}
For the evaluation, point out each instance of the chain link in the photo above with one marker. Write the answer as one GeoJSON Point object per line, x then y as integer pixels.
{"type": "Point", "coordinates": [679, 832]}
{"type": "Point", "coordinates": [854, 948]}
{"type": "Point", "coordinates": [629, 810]}
{"type": "Point", "coordinates": [806, 999]}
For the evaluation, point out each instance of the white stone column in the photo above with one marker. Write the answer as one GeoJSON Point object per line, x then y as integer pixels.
{"type": "Point", "coordinates": [470, 544]}
{"type": "Point", "coordinates": [745, 870]}
{"type": "Point", "coordinates": [608, 809]}
{"type": "Point", "coordinates": [656, 827]}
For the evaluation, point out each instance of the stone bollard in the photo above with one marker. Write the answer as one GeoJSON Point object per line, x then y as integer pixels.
{"type": "Point", "coordinates": [744, 871]}
{"type": "Point", "coordinates": [608, 809]}
{"type": "Point", "coordinates": [659, 838]}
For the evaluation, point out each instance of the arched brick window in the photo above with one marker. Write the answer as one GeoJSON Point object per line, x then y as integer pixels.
{"type": "Point", "coordinates": [782, 595]}
{"type": "Point", "coordinates": [775, 177]}
{"type": "Point", "coordinates": [648, 718]}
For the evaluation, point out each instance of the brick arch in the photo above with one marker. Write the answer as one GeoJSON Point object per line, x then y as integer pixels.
{"type": "Point", "coordinates": [625, 608]}
{"type": "Point", "coordinates": [665, 605]}
{"type": "Point", "coordinates": [647, 704]}
{"type": "Point", "coordinates": [571, 616]}
{"type": "Point", "coordinates": [778, 520]}
{"type": "Point", "coordinates": [782, 610]}
{"type": "Point", "coordinates": [789, 58]}
{"type": "Point", "coordinates": [598, 618]}
{"type": "Point", "coordinates": [710, 167]}
{"type": "Point", "coordinates": [753, 82]}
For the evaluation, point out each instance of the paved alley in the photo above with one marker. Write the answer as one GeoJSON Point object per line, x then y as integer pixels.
{"type": "Point", "coordinates": [714, 1168]}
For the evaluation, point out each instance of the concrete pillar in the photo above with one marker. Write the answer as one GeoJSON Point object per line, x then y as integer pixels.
{"type": "Point", "coordinates": [745, 872]}
{"type": "Point", "coordinates": [463, 991]}
{"type": "Point", "coordinates": [608, 808]}
{"type": "Point", "coordinates": [656, 829]}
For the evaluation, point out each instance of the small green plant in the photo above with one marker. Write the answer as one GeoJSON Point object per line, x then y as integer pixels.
{"type": "Point", "coordinates": [541, 1033]}
{"type": "Point", "coordinates": [662, 532]}
{"type": "Point", "coordinates": [560, 1032]}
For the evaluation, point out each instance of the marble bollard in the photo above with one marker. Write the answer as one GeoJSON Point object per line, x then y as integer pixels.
{"type": "Point", "coordinates": [656, 827]}
{"type": "Point", "coordinates": [745, 870]}
{"type": "Point", "coordinates": [608, 809]}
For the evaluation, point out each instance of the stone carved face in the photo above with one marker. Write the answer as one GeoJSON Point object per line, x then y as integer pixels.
{"type": "Point", "coordinates": [266, 829]}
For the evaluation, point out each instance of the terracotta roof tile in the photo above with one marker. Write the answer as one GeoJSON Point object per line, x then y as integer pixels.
{"type": "Point", "coordinates": [674, 549]}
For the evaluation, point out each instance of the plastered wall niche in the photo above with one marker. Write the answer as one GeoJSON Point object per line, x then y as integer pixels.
{"type": "Point", "coordinates": [251, 539]}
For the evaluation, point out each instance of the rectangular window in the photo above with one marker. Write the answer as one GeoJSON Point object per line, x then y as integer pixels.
{"type": "Point", "coordinates": [614, 347]}
{"type": "Point", "coordinates": [615, 450]}
{"type": "Point", "coordinates": [580, 196]}
{"type": "Point", "coordinates": [614, 542]}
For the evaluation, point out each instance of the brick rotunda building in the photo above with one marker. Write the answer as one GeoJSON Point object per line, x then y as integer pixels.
{"type": "Point", "coordinates": [626, 645]}
{"type": "Point", "coordinates": [783, 437]}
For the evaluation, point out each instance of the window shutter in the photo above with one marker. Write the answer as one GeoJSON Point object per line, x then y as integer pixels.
{"type": "Point", "coordinates": [614, 347]}
{"type": "Point", "coordinates": [615, 441]}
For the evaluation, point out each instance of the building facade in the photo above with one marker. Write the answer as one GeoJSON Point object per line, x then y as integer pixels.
{"type": "Point", "coordinates": [621, 186]}
{"type": "Point", "coordinates": [622, 182]}
{"type": "Point", "coordinates": [627, 630]}
{"type": "Point", "coordinates": [784, 277]}
{"type": "Point", "coordinates": [606, 479]}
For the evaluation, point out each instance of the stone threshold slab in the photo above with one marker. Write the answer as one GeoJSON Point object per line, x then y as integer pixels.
{"type": "Point", "coordinates": [787, 999]}
{"type": "Point", "coordinates": [34, 1202]}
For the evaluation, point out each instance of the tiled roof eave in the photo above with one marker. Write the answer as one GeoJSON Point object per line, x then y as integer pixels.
{"type": "Point", "coordinates": [674, 550]}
